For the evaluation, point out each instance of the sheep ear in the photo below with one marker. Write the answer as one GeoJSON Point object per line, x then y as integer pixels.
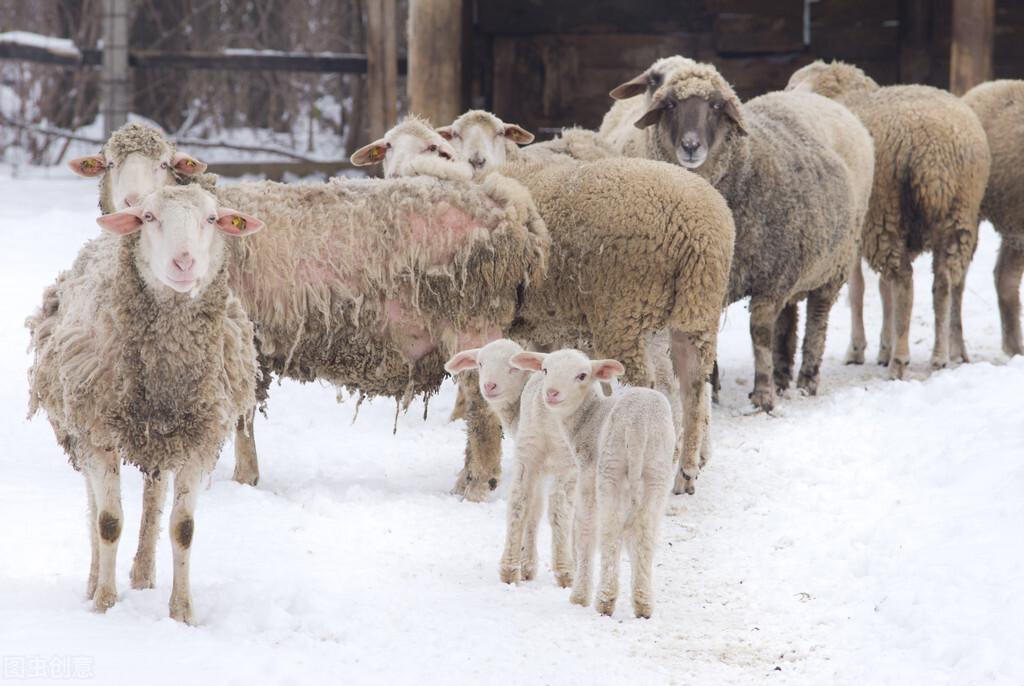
{"type": "Point", "coordinates": [635, 86]}
{"type": "Point", "coordinates": [187, 165]}
{"type": "Point", "coordinates": [517, 134]}
{"type": "Point", "coordinates": [606, 370]}
{"type": "Point", "coordinates": [462, 362]}
{"type": "Point", "coordinates": [446, 132]}
{"type": "Point", "coordinates": [732, 111]}
{"type": "Point", "coordinates": [651, 116]}
{"type": "Point", "coordinates": [370, 154]}
{"type": "Point", "coordinates": [528, 362]}
{"type": "Point", "coordinates": [121, 223]}
{"type": "Point", "coordinates": [91, 165]}
{"type": "Point", "coordinates": [235, 223]}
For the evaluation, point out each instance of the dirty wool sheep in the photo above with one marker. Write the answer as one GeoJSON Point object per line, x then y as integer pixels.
{"type": "Point", "coordinates": [541, 452]}
{"type": "Point", "coordinates": [623, 447]}
{"type": "Point", "coordinates": [797, 202]}
{"type": "Point", "coordinates": [143, 355]}
{"type": "Point", "coordinates": [931, 168]}
{"type": "Point", "coordinates": [999, 106]}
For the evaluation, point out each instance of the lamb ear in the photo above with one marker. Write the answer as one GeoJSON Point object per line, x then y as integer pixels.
{"type": "Point", "coordinates": [121, 223]}
{"type": "Point", "coordinates": [517, 134]}
{"type": "Point", "coordinates": [370, 154]}
{"type": "Point", "coordinates": [446, 132]}
{"type": "Point", "coordinates": [462, 361]}
{"type": "Point", "coordinates": [237, 223]}
{"type": "Point", "coordinates": [528, 362]}
{"type": "Point", "coordinates": [635, 86]}
{"type": "Point", "coordinates": [187, 165]}
{"type": "Point", "coordinates": [732, 111]}
{"type": "Point", "coordinates": [606, 370]}
{"type": "Point", "coordinates": [651, 116]}
{"type": "Point", "coordinates": [91, 165]}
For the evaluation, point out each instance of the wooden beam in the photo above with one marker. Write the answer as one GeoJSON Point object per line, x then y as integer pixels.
{"type": "Point", "coordinates": [435, 59]}
{"type": "Point", "coordinates": [971, 48]}
{"type": "Point", "coordinates": [915, 41]}
{"type": "Point", "coordinates": [115, 82]}
{"type": "Point", "coordinates": [381, 65]}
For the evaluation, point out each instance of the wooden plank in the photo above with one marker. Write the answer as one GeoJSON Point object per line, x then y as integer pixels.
{"type": "Point", "coordinates": [381, 62]}
{"type": "Point", "coordinates": [435, 59]}
{"type": "Point", "coordinates": [971, 49]}
{"type": "Point", "coordinates": [839, 13]}
{"type": "Point", "coordinates": [855, 44]}
{"type": "Point", "coordinates": [779, 31]}
{"type": "Point", "coordinates": [915, 41]}
{"type": "Point", "coordinates": [591, 16]}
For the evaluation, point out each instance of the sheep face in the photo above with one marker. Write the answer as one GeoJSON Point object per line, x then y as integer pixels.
{"type": "Point", "coordinates": [501, 384]}
{"type": "Point", "coordinates": [402, 146]}
{"type": "Point", "coordinates": [181, 245]}
{"type": "Point", "coordinates": [136, 174]}
{"type": "Point", "coordinates": [569, 377]}
{"type": "Point", "coordinates": [482, 139]}
{"type": "Point", "coordinates": [694, 126]}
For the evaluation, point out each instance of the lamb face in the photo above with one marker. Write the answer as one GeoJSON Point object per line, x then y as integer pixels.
{"type": "Point", "coordinates": [181, 246]}
{"type": "Point", "coordinates": [482, 139]}
{"type": "Point", "coordinates": [411, 140]}
{"type": "Point", "coordinates": [569, 377]}
{"type": "Point", "coordinates": [501, 384]}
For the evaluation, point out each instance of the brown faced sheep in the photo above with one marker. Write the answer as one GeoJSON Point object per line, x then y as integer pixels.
{"type": "Point", "coordinates": [931, 168]}
{"type": "Point", "coordinates": [999, 106]}
{"type": "Point", "coordinates": [797, 203]}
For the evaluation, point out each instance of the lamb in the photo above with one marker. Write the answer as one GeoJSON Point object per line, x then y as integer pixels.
{"type": "Point", "coordinates": [623, 447]}
{"type": "Point", "coordinates": [143, 354]}
{"type": "Point", "coordinates": [931, 168]}
{"type": "Point", "coordinates": [999, 106]}
{"type": "Point", "coordinates": [413, 148]}
{"type": "Point", "coordinates": [796, 171]}
{"type": "Point", "coordinates": [136, 161]}
{"type": "Point", "coordinates": [541, 451]}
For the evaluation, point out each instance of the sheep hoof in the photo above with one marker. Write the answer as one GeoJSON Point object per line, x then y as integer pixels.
{"type": "Point", "coordinates": [509, 574]}
{"type": "Point", "coordinates": [563, 579]}
{"type": "Point", "coordinates": [642, 610]}
{"type": "Point", "coordinates": [245, 476]}
{"type": "Point", "coordinates": [473, 488]}
{"type": "Point", "coordinates": [579, 597]}
{"type": "Point", "coordinates": [808, 384]}
{"type": "Point", "coordinates": [940, 362]}
{"type": "Point", "coordinates": [528, 571]}
{"type": "Point", "coordinates": [606, 607]}
{"type": "Point", "coordinates": [181, 611]}
{"type": "Point", "coordinates": [103, 599]}
{"type": "Point", "coordinates": [683, 484]}
{"type": "Point", "coordinates": [854, 356]}
{"type": "Point", "coordinates": [141, 577]}
{"type": "Point", "coordinates": [898, 369]}
{"type": "Point", "coordinates": [763, 399]}
{"type": "Point", "coordinates": [884, 356]}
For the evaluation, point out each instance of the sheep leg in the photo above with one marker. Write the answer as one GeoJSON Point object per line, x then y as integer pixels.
{"type": "Point", "coordinates": [104, 474]}
{"type": "Point", "coordinates": [612, 500]}
{"type": "Point", "coordinates": [662, 370]}
{"type": "Point", "coordinates": [1009, 268]}
{"type": "Point", "coordinates": [693, 361]}
{"type": "Point", "coordinates": [459, 409]}
{"type": "Point", "coordinates": [763, 313]}
{"type": "Point", "coordinates": [520, 499]}
{"type": "Point", "coordinates": [247, 469]}
{"type": "Point", "coordinates": [819, 305]}
{"type": "Point", "coordinates": [784, 351]}
{"type": "Point", "coordinates": [94, 542]}
{"type": "Point", "coordinates": [957, 346]}
{"type": "Point", "coordinates": [154, 494]}
{"type": "Point", "coordinates": [643, 540]}
{"type": "Point", "coordinates": [533, 513]}
{"type": "Point", "coordinates": [483, 444]}
{"type": "Point", "coordinates": [942, 284]}
{"type": "Point", "coordinates": [560, 517]}
{"type": "Point", "coordinates": [903, 306]}
{"type": "Point", "coordinates": [186, 492]}
{"type": "Point", "coordinates": [858, 337]}
{"type": "Point", "coordinates": [583, 531]}
{"type": "Point", "coordinates": [885, 340]}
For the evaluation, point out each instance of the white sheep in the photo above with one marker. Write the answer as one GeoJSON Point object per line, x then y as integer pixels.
{"type": "Point", "coordinates": [541, 451]}
{"type": "Point", "coordinates": [413, 148]}
{"type": "Point", "coordinates": [623, 447]}
{"type": "Point", "coordinates": [144, 355]}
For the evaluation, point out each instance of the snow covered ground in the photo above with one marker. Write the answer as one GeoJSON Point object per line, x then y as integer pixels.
{"type": "Point", "coordinates": [871, 535]}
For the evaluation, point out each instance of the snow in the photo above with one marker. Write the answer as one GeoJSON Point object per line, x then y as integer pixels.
{"type": "Point", "coordinates": [869, 535]}
{"type": "Point", "coordinates": [63, 46]}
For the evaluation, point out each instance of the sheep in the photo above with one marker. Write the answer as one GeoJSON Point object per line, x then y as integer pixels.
{"type": "Point", "coordinates": [541, 451]}
{"type": "Point", "coordinates": [999, 106]}
{"type": "Point", "coordinates": [623, 447]}
{"type": "Point", "coordinates": [487, 142]}
{"type": "Point", "coordinates": [136, 161]}
{"type": "Point", "coordinates": [413, 148]}
{"type": "Point", "coordinates": [931, 168]}
{"type": "Point", "coordinates": [796, 171]}
{"type": "Point", "coordinates": [143, 354]}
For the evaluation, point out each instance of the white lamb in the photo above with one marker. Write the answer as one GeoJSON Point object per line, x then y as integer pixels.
{"type": "Point", "coordinates": [413, 148]}
{"type": "Point", "coordinates": [623, 447]}
{"type": "Point", "coordinates": [541, 451]}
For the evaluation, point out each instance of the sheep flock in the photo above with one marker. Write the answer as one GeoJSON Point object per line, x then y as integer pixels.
{"type": "Point", "coordinates": [573, 288]}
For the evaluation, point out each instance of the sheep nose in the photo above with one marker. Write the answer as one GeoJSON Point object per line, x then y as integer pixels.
{"type": "Point", "coordinates": [552, 394]}
{"type": "Point", "coordinates": [476, 162]}
{"type": "Point", "coordinates": [184, 262]}
{"type": "Point", "coordinates": [490, 387]}
{"type": "Point", "coordinates": [690, 143]}
{"type": "Point", "coordinates": [131, 199]}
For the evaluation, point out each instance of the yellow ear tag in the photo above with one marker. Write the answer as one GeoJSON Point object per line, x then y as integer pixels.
{"type": "Point", "coordinates": [191, 163]}
{"type": "Point", "coordinates": [374, 153]}
{"type": "Point", "coordinates": [87, 165]}
{"type": "Point", "coordinates": [238, 222]}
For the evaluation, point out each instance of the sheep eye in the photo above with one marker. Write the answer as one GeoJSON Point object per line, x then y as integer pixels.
{"type": "Point", "coordinates": [432, 148]}
{"type": "Point", "coordinates": [544, 371]}
{"type": "Point", "coordinates": [211, 219]}
{"type": "Point", "coordinates": [444, 155]}
{"type": "Point", "coordinates": [110, 165]}
{"type": "Point", "coordinates": [716, 106]}
{"type": "Point", "coordinates": [148, 216]}
{"type": "Point", "coordinates": [581, 377]}
{"type": "Point", "coordinates": [164, 165]}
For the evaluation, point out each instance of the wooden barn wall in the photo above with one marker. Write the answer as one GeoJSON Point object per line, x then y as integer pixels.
{"type": "Point", "coordinates": [546, 64]}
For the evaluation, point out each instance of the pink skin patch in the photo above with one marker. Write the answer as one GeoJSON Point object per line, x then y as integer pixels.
{"type": "Point", "coordinates": [444, 233]}
{"type": "Point", "coordinates": [414, 340]}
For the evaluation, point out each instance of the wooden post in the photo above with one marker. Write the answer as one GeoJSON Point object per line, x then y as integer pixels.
{"type": "Point", "coordinates": [971, 50]}
{"type": "Point", "coordinates": [434, 82]}
{"type": "Point", "coordinates": [381, 66]}
{"type": "Point", "coordinates": [114, 82]}
{"type": "Point", "coordinates": [915, 41]}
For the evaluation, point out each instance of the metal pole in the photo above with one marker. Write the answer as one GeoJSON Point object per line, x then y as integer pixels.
{"type": "Point", "coordinates": [116, 88]}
